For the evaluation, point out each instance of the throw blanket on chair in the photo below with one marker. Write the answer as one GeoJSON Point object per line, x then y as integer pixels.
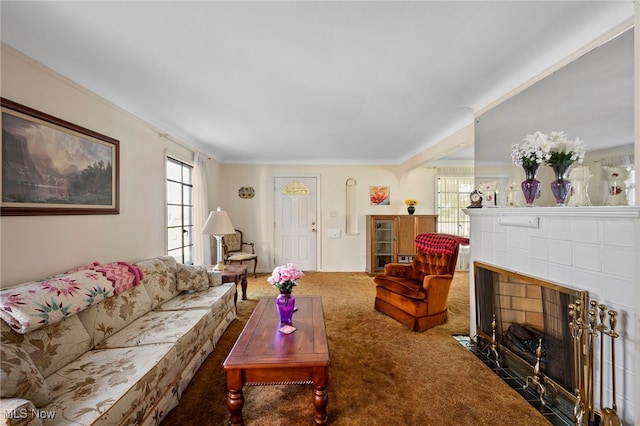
{"type": "Point", "coordinates": [440, 243]}
{"type": "Point", "coordinates": [39, 303]}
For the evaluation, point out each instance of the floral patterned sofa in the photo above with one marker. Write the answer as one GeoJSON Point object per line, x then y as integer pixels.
{"type": "Point", "coordinates": [112, 344]}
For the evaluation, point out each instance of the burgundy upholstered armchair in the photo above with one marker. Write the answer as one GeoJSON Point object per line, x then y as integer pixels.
{"type": "Point", "coordinates": [417, 294]}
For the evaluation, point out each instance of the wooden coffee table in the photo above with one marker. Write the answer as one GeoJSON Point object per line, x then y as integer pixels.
{"type": "Point", "coordinates": [262, 355]}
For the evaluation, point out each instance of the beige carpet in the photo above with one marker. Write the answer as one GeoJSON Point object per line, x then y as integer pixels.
{"type": "Point", "coordinates": [381, 373]}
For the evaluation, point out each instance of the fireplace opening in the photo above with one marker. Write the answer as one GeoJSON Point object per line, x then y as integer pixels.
{"type": "Point", "coordinates": [524, 341]}
{"type": "Point", "coordinates": [523, 326]}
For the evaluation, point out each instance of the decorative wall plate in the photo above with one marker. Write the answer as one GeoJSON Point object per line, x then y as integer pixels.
{"type": "Point", "coordinates": [246, 192]}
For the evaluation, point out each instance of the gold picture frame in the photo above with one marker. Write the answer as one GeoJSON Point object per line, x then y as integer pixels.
{"type": "Point", "coordinates": [53, 167]}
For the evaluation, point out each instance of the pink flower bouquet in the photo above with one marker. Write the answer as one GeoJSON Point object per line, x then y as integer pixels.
{"type": "Point", "coordinates": [285, 277]}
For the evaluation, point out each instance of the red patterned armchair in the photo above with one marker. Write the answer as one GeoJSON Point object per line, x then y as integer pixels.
{"type": "Point", "coordinates": [417, 294]}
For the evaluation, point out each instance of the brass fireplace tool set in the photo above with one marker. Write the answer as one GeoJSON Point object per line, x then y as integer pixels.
{"type": "Point", "coordinates": [585, 328]}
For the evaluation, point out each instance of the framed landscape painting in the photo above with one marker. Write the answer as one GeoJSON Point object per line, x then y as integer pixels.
{"type": "Point", "coordinates": [53, 167]}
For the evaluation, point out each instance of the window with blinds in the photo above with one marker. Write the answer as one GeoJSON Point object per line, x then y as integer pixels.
{"type": "Point", "coordinates": [452, 196]}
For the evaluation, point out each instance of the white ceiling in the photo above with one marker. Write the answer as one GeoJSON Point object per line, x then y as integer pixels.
{"type": "Point", "coordinates": [328, 82]}
{"type": "Point", "coordinates": [591, 98]}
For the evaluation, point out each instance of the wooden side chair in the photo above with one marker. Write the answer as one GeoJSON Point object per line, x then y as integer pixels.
{"type": "Point", "coordinates": [233, 245]}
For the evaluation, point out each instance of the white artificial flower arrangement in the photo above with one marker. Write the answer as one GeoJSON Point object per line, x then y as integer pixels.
{"type": "Point", "coordinates": [564, 151]}
{"type": "Point", "coordinates": [554, 149]}
{"type": "Point", "coordinates": [533, 151]}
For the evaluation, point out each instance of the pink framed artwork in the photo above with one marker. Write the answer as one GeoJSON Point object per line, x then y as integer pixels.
{"type": "Point", "coordinates": [379, 195]}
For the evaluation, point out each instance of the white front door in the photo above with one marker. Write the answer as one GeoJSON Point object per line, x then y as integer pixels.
{"type": "Point", "coordinates": [296, 226]}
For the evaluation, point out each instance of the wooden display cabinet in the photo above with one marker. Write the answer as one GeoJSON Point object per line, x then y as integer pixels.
{"type": "Point", "coordinates": [391, 238]}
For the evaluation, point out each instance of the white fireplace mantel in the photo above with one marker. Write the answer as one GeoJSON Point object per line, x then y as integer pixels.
{"type": "Point", "coordinates": [607, 212]}
{"type": "Point", "coordinates": [596, 249]}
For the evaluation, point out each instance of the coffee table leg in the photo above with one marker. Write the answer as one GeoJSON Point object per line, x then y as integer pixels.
{"type": "Point", "coordinates": [235, 402]}
{"type": "Point", "coordinates": [320, 395]}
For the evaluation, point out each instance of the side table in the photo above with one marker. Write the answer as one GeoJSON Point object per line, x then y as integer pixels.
{"type": "Point", "coordinates": [236, 274]}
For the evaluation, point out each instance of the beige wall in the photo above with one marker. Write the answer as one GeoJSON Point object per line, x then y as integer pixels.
{"type": "Point", "coordinates": [347, 253]}
{"type": "Point", "coordinates": [38, 246]}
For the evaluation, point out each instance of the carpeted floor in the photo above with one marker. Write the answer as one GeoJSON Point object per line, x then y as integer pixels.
{"type": "Point", "coordinates": [381, 373]}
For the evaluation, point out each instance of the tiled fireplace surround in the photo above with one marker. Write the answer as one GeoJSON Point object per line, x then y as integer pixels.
{"type": "Point", "coordinates": [596, 249]}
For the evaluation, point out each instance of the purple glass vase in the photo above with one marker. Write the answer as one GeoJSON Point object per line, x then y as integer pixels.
{"type": "Point", "coordinates": [285, 303]}
{"type": "Point", "coordinates": [530, 186]}
{"type": "Point", "coordinates": [560, 187]}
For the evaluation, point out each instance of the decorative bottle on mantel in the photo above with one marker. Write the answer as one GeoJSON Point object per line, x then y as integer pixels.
{"type": "Point", "coordinates": [530, 186]}
{"type": "Point", "coordinates": [512, 195]}
{"type": "Point", "coordinates": [561, 185]}
{"type": "Point", "coordinates": [563, 153]}
{"type": "Point", "coordinates": [529, 155]}
{"type": "Point", "coordinates": [579, 195]}
{"type": "Point", "coordinates": [616, 185]}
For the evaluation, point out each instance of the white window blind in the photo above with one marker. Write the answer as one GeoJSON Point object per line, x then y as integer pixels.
{"type": "Point", "coordinates": [452, 195]}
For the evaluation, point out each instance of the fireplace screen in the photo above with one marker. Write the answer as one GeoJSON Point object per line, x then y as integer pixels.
{"type": "Point", "coordinates": [524, 312]}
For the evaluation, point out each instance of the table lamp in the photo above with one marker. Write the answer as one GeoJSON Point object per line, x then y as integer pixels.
{"type": "Point", "coordinates": [218, 224]}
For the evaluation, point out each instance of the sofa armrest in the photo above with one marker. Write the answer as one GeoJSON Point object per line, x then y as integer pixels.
{"type": "Point", "coordinates": [215, 277]}
{"type": "Point", "coordinates": [437, 288]}
{"type": "Point", "coordinates": [400, 270]}
{"type": "Point", "coordinates": [18, 412]}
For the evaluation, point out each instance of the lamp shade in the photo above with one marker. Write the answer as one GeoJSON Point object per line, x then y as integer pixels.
{"type": "Point", "coordinates": [218, 223]}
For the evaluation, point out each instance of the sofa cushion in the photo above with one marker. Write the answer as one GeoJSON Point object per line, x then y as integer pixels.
{"type": "Point", "coordinates": [115, 313]}
{"type": "Point", "coordinates": [106, 386]}
{"type": "Point", "coordinates": [51, 347]}
{"type": "Point", "coordinates": [159, 278]}
{"type": "Point", "coordinates": [221, 320]}
{"type": "Point", "coordinates": [192, 277]}
{"type": "Point", "coordinates": [20, 378]}
{"type": "Point", "coordinates": [181, 328]}
{"type": "Point", "coordinates": [214, 298]}
{"type": "Point", "coordinates": [219, 301]}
